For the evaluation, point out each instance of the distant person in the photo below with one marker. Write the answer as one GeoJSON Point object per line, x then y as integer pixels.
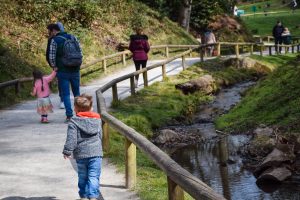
{"type": "Point", "coordinates": [62, 29]}
{"type": "Point", "coordinates": [139, 47]}
{"type": "Point", "coordinates": [294, 5]}
{"type": "Point", "coordinates": [286, 37]}
{"type": "Point", "coordinates": [235, 11]}
{"type": "Point", "coordinates": [209, 38]}
{"type": "Point", "coordinates": [65, 54]}
{"type": "Point", "coordinates": [41, 89]}
{"type": "Point", "coordinates": [84, 141]}
{"type": "Point", "coordinates": [277, 32]}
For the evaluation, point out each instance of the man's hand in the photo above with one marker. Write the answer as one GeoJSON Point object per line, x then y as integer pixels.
{"type": "Point", "coordinates": [66, 157]}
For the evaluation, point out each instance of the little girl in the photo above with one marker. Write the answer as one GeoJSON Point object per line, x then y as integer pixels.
{"type": "Point", "coordinates": [42, 91]}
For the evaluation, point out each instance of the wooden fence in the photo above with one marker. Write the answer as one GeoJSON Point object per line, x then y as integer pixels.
{"type": "Point", "coordinates": [103, 60]}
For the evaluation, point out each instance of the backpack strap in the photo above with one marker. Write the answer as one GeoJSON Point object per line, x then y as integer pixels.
{"type": "Point", "coordinates": [62, 37]}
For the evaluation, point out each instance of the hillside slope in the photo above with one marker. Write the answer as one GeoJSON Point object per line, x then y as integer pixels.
{"type": "Point", "coordinates": [273, 101]}
{"type": "Point", "coordinates": [99, 25]}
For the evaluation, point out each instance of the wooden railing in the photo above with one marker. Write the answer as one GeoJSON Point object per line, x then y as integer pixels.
{"type": "Point", "coordinates": [268, 38]}
{"type": "Point", "coordinates": [103, 60]}
{"type": "Point", "coordinates": [17, 82]}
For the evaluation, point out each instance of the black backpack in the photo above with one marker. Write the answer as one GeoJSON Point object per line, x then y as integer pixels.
{"type": "Point", "coordinates": [72, 55]}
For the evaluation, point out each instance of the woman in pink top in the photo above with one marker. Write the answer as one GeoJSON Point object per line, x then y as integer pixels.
{"type": "Point", "coordinates": [42, 91]}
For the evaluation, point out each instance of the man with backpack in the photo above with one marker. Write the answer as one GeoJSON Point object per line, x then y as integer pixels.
{"type": "Point", "coordinates": [65, 55]}
{"type": "Point", "coordinates": [61, 28]}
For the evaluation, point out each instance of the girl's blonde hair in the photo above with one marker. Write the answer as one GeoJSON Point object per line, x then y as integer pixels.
{"type": "Point", "coordinates": [83, 103]}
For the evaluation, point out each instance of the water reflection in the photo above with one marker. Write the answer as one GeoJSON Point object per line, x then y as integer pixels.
{"type": "Point", "coordinates": [217, 164]}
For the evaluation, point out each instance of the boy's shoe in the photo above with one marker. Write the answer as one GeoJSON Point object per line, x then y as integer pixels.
{"type": "Point", "coordinates": [62, 105]}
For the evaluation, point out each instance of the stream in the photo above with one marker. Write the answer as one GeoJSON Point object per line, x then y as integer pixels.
{"type": "Point", "coordinates": [216, 161]}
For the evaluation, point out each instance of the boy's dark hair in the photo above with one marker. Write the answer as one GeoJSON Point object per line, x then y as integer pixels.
{"type": "Point", "coordinates": [37, 74]}
{"type": "Point", "coordinates": [52, 27]}
{"type": "Point", "coordinates": [83, 103]}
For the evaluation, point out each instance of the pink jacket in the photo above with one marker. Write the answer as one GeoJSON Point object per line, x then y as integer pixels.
{"type": "Point", "coordinates": [37, 89]}
{"type": "Point", "coordinates": [139, 47]}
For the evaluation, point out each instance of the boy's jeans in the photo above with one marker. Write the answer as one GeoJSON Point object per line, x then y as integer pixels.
{"type": "Point", "coordinates": [64, 81]}
{"type": "Point", "coordinates": [89, 170]}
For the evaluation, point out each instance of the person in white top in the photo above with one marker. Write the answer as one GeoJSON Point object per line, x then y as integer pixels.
{"type": "Point", "coordinates": [209, 38]}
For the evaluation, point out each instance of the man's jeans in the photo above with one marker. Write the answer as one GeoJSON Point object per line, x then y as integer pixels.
{"type": "Point", "coordinates": [278, 41]}
{"type": "Point", "coordinates": [89, 170]}
{"type": "Point", "coordinates": [64, 81]}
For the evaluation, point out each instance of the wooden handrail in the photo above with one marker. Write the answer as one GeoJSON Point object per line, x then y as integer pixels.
{"type": "Point", "coordinates": [104, 58]}
{"type": "Point", "coordinates": [175, 173]}
{"type": "Point", "coordinates": [17, 82]}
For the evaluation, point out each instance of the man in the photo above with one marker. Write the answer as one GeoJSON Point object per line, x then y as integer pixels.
{"type": "Point", "coordinates": [277, 31]}
{"type": "Point", "coordinates": [61, 28]}
{"type": "Point", "coordinates": [66, 75]}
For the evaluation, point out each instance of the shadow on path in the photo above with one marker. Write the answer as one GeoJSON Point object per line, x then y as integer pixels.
{"type": "Point", "coordinates": [30, 198]}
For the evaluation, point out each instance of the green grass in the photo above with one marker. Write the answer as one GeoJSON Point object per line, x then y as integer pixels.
{"type": "Point", "coordinates": [273, 101]}
{"type": "Point", "coordinates": [275, 5]}
{"type": "Point", "coordinates": [264, 24]}
{"type": "Point", "coordinates": [156, 106]}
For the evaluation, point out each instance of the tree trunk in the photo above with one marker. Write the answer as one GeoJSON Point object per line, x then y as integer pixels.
{"type": "Point", "coordinates": [185, 14]}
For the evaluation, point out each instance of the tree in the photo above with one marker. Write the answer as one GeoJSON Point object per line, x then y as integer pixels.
{"type": "Point", "coordinates": [185, 14]}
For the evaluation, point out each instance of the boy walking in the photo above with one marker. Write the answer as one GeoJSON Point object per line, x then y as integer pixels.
{"type": "Point", "coordinates": [84, 141]}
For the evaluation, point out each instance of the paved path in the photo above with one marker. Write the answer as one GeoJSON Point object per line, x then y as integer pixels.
{"type": "Point", "coordinates": [32, 166]}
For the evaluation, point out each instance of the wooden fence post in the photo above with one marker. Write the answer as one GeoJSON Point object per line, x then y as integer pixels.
{"type": "Point", "coordinates": [183, 62]}
{"type": "Point", "coordinates": [237, 50]}
{"type": "Point", "coordinates": [202, 54]}
{"type": "Point", "coordinates": [167, 51]}
{"type": "Point", "coordinates": [124, 59]}
{"type": "Point", "coordinates": [104, 65]}
{"type": "Point", "coordinates": [132, 85]}
{"type": "Point", "coordinates": [286, 49]}
{"type": "Point", "coordinates": [130, 157]}
{"type": "Point", "coordinates": [298, 48]}
{"type": "Point", "coordinates": [145, 76]}
{"type": "Point", "coordinates": [261, 50]}
{"type": "Point", "coordinates": [174, 191]}
{"type": "Point", "coordinates": [164, 74]}
{"type": "Point", "coordinates": [270, 50]}
{"type": "Point", "coordinates": [115, 92]}
{"type": "Point", "coordinates": [17, 87]}
{"type": "Point", "coordinates": [251, 49]}
{"type": "Point", "coordinates": [191, 55]}
{"type": "Point", "coordinates": [219, 49]}
{"type": "Point", "coordinates": [105, 138]}
{"type": "Point", "coordinates": [293, 48]}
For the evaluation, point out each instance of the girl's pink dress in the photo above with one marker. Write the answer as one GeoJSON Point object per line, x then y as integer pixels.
{"type": "Point", "coordinates": [44, 105]}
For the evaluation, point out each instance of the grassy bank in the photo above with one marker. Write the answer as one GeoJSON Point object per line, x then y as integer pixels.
{"type": "Point", "coordinates": [158, 105]}
{"type": "Point", "coordinates": [273, 101]}
{"type": "Point", "coordinates": [263, 25]}
{"type": "Point", "coordinates": [100, 26]}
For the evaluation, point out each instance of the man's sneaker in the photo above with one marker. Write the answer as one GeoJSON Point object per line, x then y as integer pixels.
{"type": "Point", "coordinates": [62, 105]}
{"type": "Point", "coordinates": [68, 119]}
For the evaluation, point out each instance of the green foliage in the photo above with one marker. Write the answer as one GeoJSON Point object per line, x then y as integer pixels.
{"type": "Point", "coordinates": [273, 101]}
{"type": "Point", "coordinates": [72, 12]}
